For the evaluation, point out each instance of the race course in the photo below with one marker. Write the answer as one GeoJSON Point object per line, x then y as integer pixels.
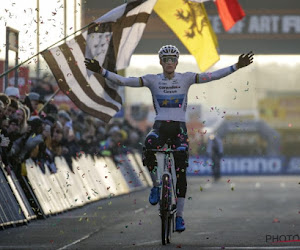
{"type": "Point", "coordinates": [234, 213]}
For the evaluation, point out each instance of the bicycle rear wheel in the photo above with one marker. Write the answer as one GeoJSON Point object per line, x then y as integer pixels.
{"type": "Point", "coordinates": [164, 211]}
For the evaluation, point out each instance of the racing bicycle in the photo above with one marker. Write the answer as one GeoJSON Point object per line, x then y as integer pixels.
{"type": "Point", "coordinates": [167, 175]}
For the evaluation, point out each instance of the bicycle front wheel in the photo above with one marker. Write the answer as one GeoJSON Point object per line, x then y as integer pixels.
{"type": "Point", "coordinates": [164, 211]}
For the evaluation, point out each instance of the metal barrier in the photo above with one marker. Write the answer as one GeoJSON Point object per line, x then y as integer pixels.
{"type": "Point", "coordinates": [11, 212]}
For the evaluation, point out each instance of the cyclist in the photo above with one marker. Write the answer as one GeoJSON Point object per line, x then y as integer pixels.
{"type": "Point", "coordinates": [169, 91]}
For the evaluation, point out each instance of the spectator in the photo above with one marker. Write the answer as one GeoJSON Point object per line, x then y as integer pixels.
{"type": "Point", "coordinates": [13, 130]}
{"type": "Point", "coordinates": [88, 138]}
{"type": "Point", "coordinates": [35, 100]}
{"type": "Point", "coordinates": [4, 140]}
{"type": "Point", "coordinates": [2, 111]}
{"type": "Point", "coordinates": [79, 126]}
{"type": "Point", "coordinates": [51, 109]}
{"type": "Point", "coordinates": [44, 88]}
{"type": "Point", "coordinates": [23, 147]}
{"type": "Point", "coordinates": [13, 93]}
{"type": "Point", "coordinates": [56, 139]}
{"type": "Point", "coordinates": [35, 144]}
{"type": "Point", "coordinates": [214, 151]}
{"type": "Point", "coordinates": [13, 133]}
{"type": "Point", "coordinates": [46, 154]}
{"type": "Point", "coordinates": [22, 115]}
{"type": "Point", "coordinates": [5, 99]}
{"type": "Point", "coordinates": [133, 141]}
{"type": "Point", "coordinates": [65, 119]}
{"type": "Point", "coordinates": [12, 107]}
{"type": "Point", "coordinates": [111, 146]}
{"type": "Point", "coordinates": [68, 141]}
{"type": "Point", "coordinates": [100, 131]}
{"type": "Point", "coordinates": [4, 123]}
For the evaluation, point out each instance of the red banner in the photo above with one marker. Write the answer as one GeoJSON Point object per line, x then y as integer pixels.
{"type": "Point", "coordinates": [23, 79]}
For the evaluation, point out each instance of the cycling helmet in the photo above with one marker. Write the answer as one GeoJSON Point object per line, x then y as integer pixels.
{"type": "Point", "coordinates": [168, 50]}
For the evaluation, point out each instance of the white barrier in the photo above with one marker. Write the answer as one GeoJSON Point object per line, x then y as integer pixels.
{"type": "Point", "coordinates": [91, 180]}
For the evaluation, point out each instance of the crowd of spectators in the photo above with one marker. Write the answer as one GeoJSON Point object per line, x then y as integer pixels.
{"type": "Point", "coordinates": [31, 128]}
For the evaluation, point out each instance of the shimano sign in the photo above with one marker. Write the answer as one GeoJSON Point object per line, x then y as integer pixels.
{"type": "Point", "coordinates": [245, 166]}
{"type": "Point", "coordinates": [251, 165]}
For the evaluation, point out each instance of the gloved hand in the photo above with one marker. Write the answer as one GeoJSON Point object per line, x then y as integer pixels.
{"type": "Point", "coordinates": [93, 65]}
{"type": "Point", "coordinates": [245, 60]}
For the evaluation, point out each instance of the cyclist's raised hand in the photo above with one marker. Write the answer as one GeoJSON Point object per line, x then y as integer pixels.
{"type": "Point", "coordinates": [245, 60]}
{"type": "Point", "coordinates": [93, 65]}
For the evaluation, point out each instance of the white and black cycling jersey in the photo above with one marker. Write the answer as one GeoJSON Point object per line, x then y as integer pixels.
{"type": "Point", "coordinates": [169, 95]}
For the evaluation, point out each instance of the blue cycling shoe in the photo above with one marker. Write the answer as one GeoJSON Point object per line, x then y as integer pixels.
{"type": "Point", "coordinates": [179, 224]}
{"type": "Point", "coordinates": [154, 195]}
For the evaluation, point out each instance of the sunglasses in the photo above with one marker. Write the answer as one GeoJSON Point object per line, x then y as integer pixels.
{"type": "Point", "coordinates": [171, 59]}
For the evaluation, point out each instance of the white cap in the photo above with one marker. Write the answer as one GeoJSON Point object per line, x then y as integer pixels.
{"type": "Point", "coordinates": [12, 91]}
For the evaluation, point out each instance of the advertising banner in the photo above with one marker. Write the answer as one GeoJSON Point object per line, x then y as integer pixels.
{"type": "Point", "coordinates": [246, 166]}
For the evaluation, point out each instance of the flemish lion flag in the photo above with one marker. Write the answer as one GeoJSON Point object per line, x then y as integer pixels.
{"type": "Point", "coordinates": [111, 40]}
{"type": "Point", "coordinates": [190, 23]}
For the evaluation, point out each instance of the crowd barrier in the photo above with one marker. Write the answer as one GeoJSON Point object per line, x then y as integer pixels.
{"type": "Point", "coordinates": [14, 206]}
{"type": "Point", "coordinates": [92, 179]}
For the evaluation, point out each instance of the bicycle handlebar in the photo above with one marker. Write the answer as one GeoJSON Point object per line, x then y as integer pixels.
{"type": "Point", "coordinates": [165, 150]}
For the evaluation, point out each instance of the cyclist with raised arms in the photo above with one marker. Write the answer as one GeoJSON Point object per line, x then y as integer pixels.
{"type": "Point", "coordinates": [169, 92]}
